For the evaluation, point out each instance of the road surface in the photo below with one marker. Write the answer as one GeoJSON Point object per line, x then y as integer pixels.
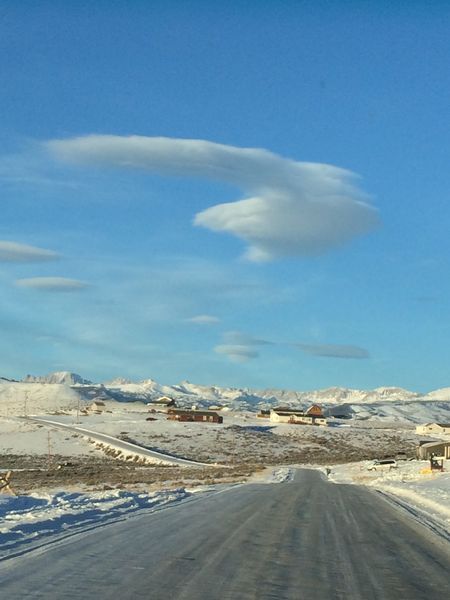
{"type": "Point", "coordinates": [303, 540]}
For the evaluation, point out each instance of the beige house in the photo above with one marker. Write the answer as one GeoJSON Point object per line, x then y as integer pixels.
{"type": "Point", "coordinates": [297, 417]}
{"type": "Point", "coordinates": [433, 428]}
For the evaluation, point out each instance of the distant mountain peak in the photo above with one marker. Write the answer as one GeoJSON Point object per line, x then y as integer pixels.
{"type": "Point", "coordinates": [118, 381]}
{"type": "Point", "coordinates": [64, 377]}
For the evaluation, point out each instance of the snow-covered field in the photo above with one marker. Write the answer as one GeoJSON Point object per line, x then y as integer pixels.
{"type": "Point", "coordinates": [379, 424]}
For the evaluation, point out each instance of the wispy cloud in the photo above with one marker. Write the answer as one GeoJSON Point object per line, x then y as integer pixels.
{"type": "Point", "coordinates": [15, 252]}
{"type": "Point", "coordinates": [239, 346]}
{"type": "Point", "coordinates": [237, 353]}
{"type": "Point", "coordinates": [52, 284]}
{"type": "Point", "coordinates": [334, 350]}
{"type": "Point", "coordinates": [243, 339]}
{"type": "Point", "coordinates": [30, 169]}
{"type": "Point", "coordinates": [204, 320]}
{"type": "Point", "coordinates": [292, 208]}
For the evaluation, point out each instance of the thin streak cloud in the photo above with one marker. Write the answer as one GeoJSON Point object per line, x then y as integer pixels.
{"type": "Point", "coordinates": [204, 320]}
{"type": "Point", "coordinates": [242, 339]}
{"type": "Point", "coordinates": [52, 284]}
{"type": "Point", "coordinates": [290, 208]}
{"type": "Point", "coordinates": [15, 252]}
{"type": "Point", "coordinates": [334, 350]}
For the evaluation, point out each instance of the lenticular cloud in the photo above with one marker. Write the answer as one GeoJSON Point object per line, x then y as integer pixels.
{"type": "Point", "coordinates": [290, 208]}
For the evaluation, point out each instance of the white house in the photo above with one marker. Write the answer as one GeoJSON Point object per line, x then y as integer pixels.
{"type": "Point", "coordinates": [297, 417]}
{"type": "Point", "coordinates": [433, 428]}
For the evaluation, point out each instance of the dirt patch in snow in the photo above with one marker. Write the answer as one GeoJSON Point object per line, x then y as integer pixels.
{"type": "Point", "coordinates": [31, 473]}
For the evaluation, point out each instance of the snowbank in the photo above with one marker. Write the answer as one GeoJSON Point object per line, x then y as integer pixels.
{"type": "Point", "coordinates": [412, 483]}
{"type": "Point", "coordinates": [25, 521]}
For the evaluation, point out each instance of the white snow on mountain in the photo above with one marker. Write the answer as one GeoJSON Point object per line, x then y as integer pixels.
{"type": "Point", "coordinates": [442, 394]}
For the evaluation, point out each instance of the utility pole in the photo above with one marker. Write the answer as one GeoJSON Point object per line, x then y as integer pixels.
{"type": "Point", "coordinates": [49, 448]}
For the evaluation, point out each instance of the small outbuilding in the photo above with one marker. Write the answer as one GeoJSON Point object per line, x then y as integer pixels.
{"type": "Point", "coordinates": [264, 413]}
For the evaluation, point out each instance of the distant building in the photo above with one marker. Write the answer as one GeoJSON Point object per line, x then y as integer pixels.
{"type": "Point", "coordinates": [201, 416]}
{"type": "Point", "coordinates": [162, 404]}
{"type": "Point", "coordinates": [312, 416]}
{"type": "Point", "coordinates": [432, 428]}
{"type": "Point", "coordinates": [97, 407]}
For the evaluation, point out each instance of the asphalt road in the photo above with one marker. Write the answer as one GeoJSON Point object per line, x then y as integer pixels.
{"type": "Point", "coordinates": [302, 540]}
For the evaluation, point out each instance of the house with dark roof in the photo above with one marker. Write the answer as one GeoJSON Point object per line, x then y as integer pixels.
{"type": "Point", "coordinates": [200, 416]}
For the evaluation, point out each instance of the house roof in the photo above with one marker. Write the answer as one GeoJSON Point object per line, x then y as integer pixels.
{"type": "Point", "coordinates": [436, 444]}
{"type": "Point", "coordinates": [287, 410]}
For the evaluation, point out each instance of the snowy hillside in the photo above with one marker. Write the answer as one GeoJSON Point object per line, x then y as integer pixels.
{"type": "Point", "coordinates": [20, 399]}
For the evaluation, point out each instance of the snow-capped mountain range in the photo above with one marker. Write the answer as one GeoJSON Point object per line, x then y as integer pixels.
{"type": "Point", "coordinates": [65, 390]}
{"type": "Point", "coordinates": [149, 389]}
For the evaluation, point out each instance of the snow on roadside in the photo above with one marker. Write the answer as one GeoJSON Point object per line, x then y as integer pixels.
{"type": "Point", "coordinates": [273, 475]}
{"type": "Point", "coordinates": [26, 520]}
{"type": "Point", "coordinates": [412, 483]}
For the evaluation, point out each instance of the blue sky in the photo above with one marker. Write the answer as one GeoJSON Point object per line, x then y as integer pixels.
{"type": "Point", "coordinates": [319, 256]}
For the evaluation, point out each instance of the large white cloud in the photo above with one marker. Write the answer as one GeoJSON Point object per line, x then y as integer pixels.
{"type": "Point", "coordinates": [291, 208]}
{"type": "Point", "coordinates": [15, 252]}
